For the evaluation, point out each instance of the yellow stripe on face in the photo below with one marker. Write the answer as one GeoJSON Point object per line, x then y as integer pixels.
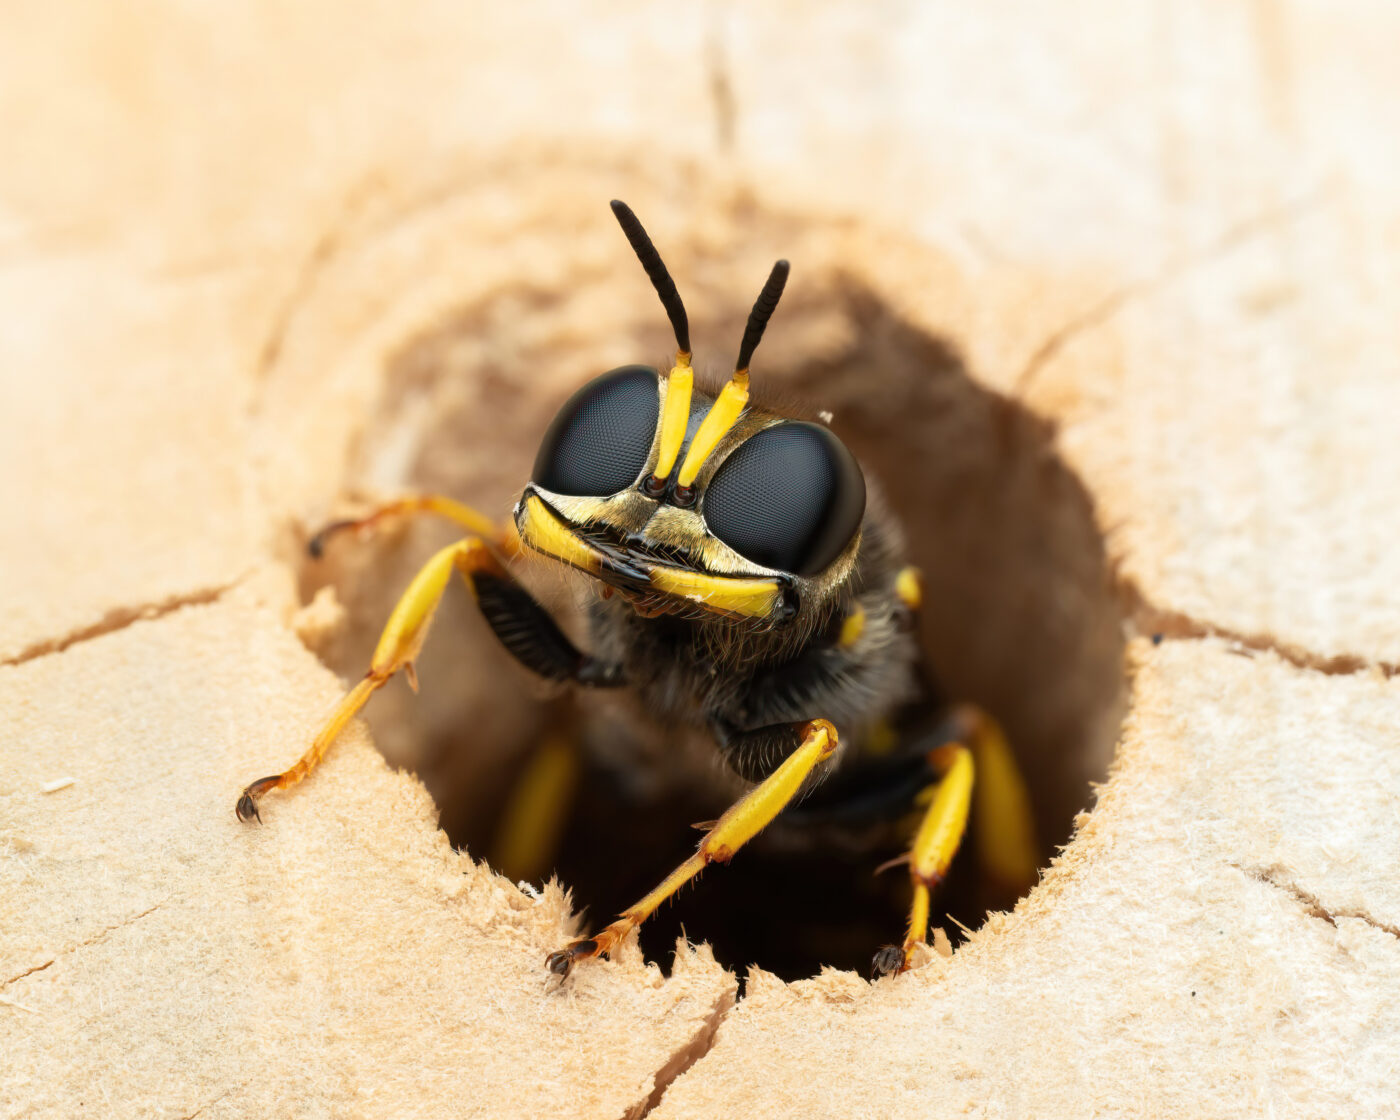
{"type": "Point", "coordinates": [542, 530]}
{"type": "Point", "coordinates": [753, 598]}
{"type": "Point", "coordinates": [676, 415]}
{"type": "Point", "coordinates": [721, 417]}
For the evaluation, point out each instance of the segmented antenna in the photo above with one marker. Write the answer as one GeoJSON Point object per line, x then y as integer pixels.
{"type": "Point", "coordinates": [762, 311]}
{"type": "Point", "coordinates": [656, 271]}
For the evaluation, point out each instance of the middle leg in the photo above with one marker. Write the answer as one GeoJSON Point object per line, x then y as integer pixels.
{"type": "Point", "coordinates": [740, 823]}
{"type": "Point", "coordinates": [1005, 828]}
{"type": "Point", "coordinates": [936, 843]}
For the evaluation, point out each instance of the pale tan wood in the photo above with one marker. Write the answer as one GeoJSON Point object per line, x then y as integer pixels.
{"type": "Point", "coordinates": [234, 243]}
{"type": "Point", "coordinates": [1219, 940]}
{"type": "Point", "coordinates": [161, 957]}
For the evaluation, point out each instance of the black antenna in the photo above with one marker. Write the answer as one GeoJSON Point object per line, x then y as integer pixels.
{"type": "Point", "coordinates": [762, 311]}
{"type": "Point", "coordinates": [660, 278]}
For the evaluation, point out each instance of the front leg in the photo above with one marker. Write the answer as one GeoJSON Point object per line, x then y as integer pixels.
{"type": "Point", "coordinates": [741, 822]}
{"type": "Point", "coordinates": [526, 629]}
{"type": "Point", "coordinates": [522, 625]}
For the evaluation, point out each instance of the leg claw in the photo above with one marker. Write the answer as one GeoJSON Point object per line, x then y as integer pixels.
{"type": "Point", "coordinates": [316, 546]}
{"type": "Point", "coordinates": [887, 961]}
{"type": "Point", "coordinates": [561, 961]}
{"type": "Point", "coordinates": [247, 808]}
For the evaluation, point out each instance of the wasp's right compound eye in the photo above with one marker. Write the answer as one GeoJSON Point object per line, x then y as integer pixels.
{"type": "Point", "coordinates": [789, 498]}
{"type": "Point", "coordinates": [600, 440]}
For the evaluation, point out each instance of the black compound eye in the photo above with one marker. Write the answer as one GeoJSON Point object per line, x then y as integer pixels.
{"type": "Point", "coordinates": [789, 498]}
{"type": "Point", "coordinates": [600, 440]}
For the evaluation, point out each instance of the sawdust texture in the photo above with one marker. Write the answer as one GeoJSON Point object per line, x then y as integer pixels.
{"type": "Point", "coordinates": [161, 957]}
{"type": "Point", "coordinates": [1108, 294]}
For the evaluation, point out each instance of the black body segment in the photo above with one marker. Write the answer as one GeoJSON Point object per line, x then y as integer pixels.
{"type": "Point", "coordinates": [533, 637]}
{"type": "Point", "coordinates": [598, 442]}
{"type": "Point", "coordinates": [785, 691]}
{"type": "Point", "coordinates": [789, 498]}
{"type": "Point", "coordinates": [754, 755]}
{"type": "Point", "coordinates": [712, 672]}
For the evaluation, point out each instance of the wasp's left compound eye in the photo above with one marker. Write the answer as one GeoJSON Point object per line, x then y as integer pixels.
{"type": "Point", "coordinates": [789, 498]}
{"type": "Point", "coordinates": [599, 441]}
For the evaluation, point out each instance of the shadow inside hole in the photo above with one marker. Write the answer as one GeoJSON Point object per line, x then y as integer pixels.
{"type": "Point", "coordinates": [1019, 618]}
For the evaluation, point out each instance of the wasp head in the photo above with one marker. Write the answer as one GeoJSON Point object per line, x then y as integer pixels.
{"type": "Point", "coordinates": [691, 503]}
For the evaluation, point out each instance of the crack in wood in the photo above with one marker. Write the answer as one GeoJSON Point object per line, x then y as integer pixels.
{"type": "Point", "coordinates": [96, 939]}
{"type": "Point", "coordinates": [119, 618]}
{"type": "Point", "coordinates": [1097, 314]}
{"type": "Point", "coordinates": [685, 1058]}
{"type": "Point", "coordinates": [1160, 624]}
{"type": "Point", "coordinates": [214, 1100]}
{"type": "Point", "coordinates": [28, 972]}
{"type": "Point", "coordinates": [308, 274]}
{"type": "Point", "coordinates": [1313, 906]}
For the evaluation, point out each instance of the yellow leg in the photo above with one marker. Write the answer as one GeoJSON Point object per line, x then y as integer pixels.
{"type": "Point", "coordinates": [1005, 831]}
{"type": "Point", "coordinates": [398, 647]}
{"type": "Point", "coordinates": [1001, 806]}
{"type": "Point", "coordinates": [936, 843]}
{"type": "Point", "coordinates": [741, 822]}
{"type": "Point", "coordinates": [474, 522]}
{"type": "Point", "coordinates": [536, 810]}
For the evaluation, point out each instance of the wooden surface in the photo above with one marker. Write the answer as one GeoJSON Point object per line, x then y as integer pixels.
{"type": "Point", "coordinates": [234, 244]}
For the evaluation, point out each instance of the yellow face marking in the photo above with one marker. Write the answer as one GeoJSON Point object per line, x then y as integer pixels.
{"type": "Point", "coordinates": [542, 529]}
{"type": "Point", "coordinates": [750, 597]}
{"type": "Point", "coordinates": [721, 417]}
{"type": "Point", "coordinates": [676, 415]}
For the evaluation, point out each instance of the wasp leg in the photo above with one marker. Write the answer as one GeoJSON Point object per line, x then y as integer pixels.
{"type": "Point", "coordinates": [1005, 831]}
{"type": "Point", "coordinates": [940, 833]}
{"type": "Point", "coordinates": [1002, 820]}
{"type": "Point", "coordinates": [536, 810]}
{"type": "Point", "coordinates": [522, 625]}
{"type": "Point", "coordinates": [398, 646]}
{"type": "Point", "coordinates": [740, 823]}
{"type": "Point", "coordinates": [474, 522]}
{"type": "Point", "coordinates": [526, 629]}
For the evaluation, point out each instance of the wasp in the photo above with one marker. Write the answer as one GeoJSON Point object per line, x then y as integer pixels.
{"type": "Point", "coordinates": [753, 584]}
